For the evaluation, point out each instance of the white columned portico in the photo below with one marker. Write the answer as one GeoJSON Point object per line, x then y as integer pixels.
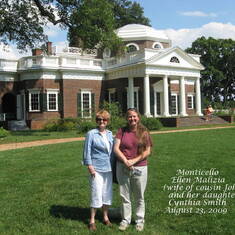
{"type": "Point", "coordinates": [198, 97]}
{"type": "Point", "coordinates": [130, 92]}
{"type": "Point", "coordinates": [146, 96]}
{"type": "Point", "coordinates": [166, 96]}
{"type": "Point", "coordinates": [182, 97]}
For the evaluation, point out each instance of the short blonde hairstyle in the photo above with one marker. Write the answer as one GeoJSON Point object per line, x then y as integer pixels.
{"type": "Point", "coordinates": [103, 114]}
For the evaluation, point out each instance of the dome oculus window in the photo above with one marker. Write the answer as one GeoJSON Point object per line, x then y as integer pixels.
{"type": "Point", "coordinates": [132, 47]}
{"type": "Point", "coordinates": [157, 45]}
{"type": "Point", "coordinates": [174, 59]}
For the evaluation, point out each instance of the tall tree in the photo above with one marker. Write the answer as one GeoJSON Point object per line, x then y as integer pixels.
{"type": "Point", "coordinates": [218, 78]}
{"type": "Point", "coordinates": [92, 26]}
{"type": "Point", "coordinates": [23, 21]}
{"type": "Point", "coordinates": [128, 12]}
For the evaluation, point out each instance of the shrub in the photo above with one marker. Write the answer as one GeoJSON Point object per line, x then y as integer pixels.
{"type": "Point", "coordinates": [113, 108]}
{"type": "Point", "coordinates": [3, 132]}
{"type": "Point", "coordinates": [115, 111]}
{"type": "Point", "coordinates": [62, 125]}
{"type": "Point", "coordinates": [116, 122]}
{"type": "Point", "coordinates": [86, 125]}
{"type": "Point", "coordinates": [51, 126]}
{"type": "Point", "coordinates": [151, 123]}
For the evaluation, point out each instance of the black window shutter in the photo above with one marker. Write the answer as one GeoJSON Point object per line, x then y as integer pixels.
{"type": "Point", "coordinates": [194, 102]}
{"type": "Point", "coordinates": [27, 101]}
{"type": "Point", "coordinates": [151, 101]}
{"type": "Point", "coordinates": [178, 103]}
{"type": "Point", "coordinates": [106, 96]}
{"type": "Point", "coordinates": [79, 106]}
{"type": "Point", "coordinates": [43, 102]}
{"type": "Point", "coordinates": [92, 104]}
{"type": "Point", "coordinates": [124, 101]}
{"type": "Point", "coordinates": [60, 102]}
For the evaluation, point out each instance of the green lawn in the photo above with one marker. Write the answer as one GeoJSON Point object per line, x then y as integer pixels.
{"type": "Point", "coordinates": [44, 190]}
{"type": "Point", "coordinates": [32, 135]}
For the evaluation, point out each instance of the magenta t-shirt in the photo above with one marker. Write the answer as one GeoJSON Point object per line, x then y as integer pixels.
{"type": "Point", "coordinates": [129, 145]}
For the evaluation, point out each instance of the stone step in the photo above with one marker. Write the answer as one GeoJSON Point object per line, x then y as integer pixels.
{"type": "Point", "coordinates": [17, 125]}
{"type": "Point", "coordinates": [198, 121]}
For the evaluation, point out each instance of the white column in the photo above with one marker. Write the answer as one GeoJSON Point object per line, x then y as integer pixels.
{"type": "Point", "coordinates": [165, 96]}
{"type": "Point", "coordinates": [130, 92]}
{"type": "Point", "coordinates": [198, 97]}
{"type": "Point", "coordinates": [182, 97]}
{"type": "Point", "coordinates": [146, 96]}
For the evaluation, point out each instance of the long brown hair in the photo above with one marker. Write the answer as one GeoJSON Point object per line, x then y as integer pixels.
{"type": "Point", "coordinates": [142, 133]}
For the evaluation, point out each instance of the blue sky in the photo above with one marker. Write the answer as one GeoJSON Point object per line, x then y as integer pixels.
{"type": "Point", "coordinates": [183, 21]}
{"type": "Point", "coordinates": [178, 14]}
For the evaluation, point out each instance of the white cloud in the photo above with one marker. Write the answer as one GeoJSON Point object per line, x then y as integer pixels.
{"type": "Point", "coordinates": [198, 14]}
{"type": "Point", "coordinates": [52, 30]}
{"type": "Point", "coordinates": [184, 37]}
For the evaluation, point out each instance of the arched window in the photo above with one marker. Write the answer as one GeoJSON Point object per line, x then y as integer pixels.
{"type": "Point", "coordinates": [157, 45]}
{"type": "Point", "coordinates": [174, 59]}
{"type": "Point", "coordinates": [132, 47]}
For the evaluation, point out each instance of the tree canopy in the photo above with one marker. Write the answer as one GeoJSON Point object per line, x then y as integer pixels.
{"type": "Point", "coordinates": [218, 78]}
{"type": "Point", "coordinates": [88, 22]}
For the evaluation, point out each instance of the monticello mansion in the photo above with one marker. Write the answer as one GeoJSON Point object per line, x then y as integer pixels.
{"type": "Point", "coordinates": [152, 76]}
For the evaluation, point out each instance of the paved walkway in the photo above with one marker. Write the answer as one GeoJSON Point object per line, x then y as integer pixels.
{"type": "Point", "coordinates": [19, 145]}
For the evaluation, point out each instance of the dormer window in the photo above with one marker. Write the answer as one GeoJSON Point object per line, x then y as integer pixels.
{"type": "Point", "coordinates": [157, 45]}
{"type": "Point", "coordinates": [132, 47]}
{"type": "Point", "coordinates": [174, 59]}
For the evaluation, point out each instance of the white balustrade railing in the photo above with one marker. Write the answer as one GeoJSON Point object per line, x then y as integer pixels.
{"type": "Point", "coordinates": [80, 51]}
{"type": "Point", "coordinates": [8, 65]}
{"type": "Point", "coordinates": [75, 61]}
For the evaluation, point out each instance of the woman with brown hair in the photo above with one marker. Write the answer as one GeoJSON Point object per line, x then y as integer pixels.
{"type": "Point", "coordinates": [132, 147]}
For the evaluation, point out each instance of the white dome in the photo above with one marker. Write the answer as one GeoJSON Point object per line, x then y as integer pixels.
{"type": "Point", "coordinates": [141, 32]}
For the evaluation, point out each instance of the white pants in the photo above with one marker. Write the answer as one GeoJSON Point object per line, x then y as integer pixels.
{"type": "Point", "coordinates": [129, 183]}
{"type": "Point", "coordinates": [101, 189]}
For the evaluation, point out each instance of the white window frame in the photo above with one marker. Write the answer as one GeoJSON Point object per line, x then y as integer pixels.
{"type": "Point", "coordinates": [192, 101]}
{"type": "Point", "coordinates": [157, 43]}
{"type": "Point", "coordinates": [111, 91]}
{"type": "Point", "coordinates": [176, 104]}
{"type": "Point", "coordinates": [56, 92]}
{"type": "Point", "coordinates": [30, 100]}
{"type": "Point", "coordinates": [136, 91]}
{"type": "Point", "coordinates": [133, 44]}
{"type": "Point", "coordinates": [82, 111]}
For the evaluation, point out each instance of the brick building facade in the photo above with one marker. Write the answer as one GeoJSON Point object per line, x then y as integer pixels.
{"type": "Point", "coordinates": [156, 78]}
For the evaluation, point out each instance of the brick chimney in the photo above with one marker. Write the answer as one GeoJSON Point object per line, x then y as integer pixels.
{"type": "Point", "coordinates": [49, 48]}
{"type": "Point", "coordinates": [37, 51]}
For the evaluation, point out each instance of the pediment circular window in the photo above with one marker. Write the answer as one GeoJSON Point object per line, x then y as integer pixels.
{"type": "Point", "coordinates": [174, 59]}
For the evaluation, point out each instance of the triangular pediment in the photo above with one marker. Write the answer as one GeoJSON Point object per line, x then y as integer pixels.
{"type": "Point", "coordinates": [175, 57]}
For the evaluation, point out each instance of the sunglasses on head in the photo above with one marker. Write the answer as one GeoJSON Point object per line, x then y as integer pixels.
{"type": "Point", "coordinates": [132, 109]}
{"type": "Point", "coordinates": [101, 119]}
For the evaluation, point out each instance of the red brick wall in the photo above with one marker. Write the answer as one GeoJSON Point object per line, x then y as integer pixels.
{"type": "Point", "coordinates": [70, 89]}
{"type": "Point", "coordinates": [146, 44]}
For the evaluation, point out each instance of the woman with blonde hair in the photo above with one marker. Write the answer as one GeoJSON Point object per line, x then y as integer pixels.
{"type": "Point", "coordinates": [97, 156]}
{"type": "Point", "coordinates": [132, 147]}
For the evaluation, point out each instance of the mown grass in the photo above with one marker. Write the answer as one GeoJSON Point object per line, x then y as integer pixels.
{"type": "Point", "coordinates": [33, 135]}
{"type": "Point", "coordinates": [44, 190]}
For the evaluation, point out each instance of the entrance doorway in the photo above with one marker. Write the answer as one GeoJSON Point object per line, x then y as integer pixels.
{"type": "Point", "coordinates": [9, 106]}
